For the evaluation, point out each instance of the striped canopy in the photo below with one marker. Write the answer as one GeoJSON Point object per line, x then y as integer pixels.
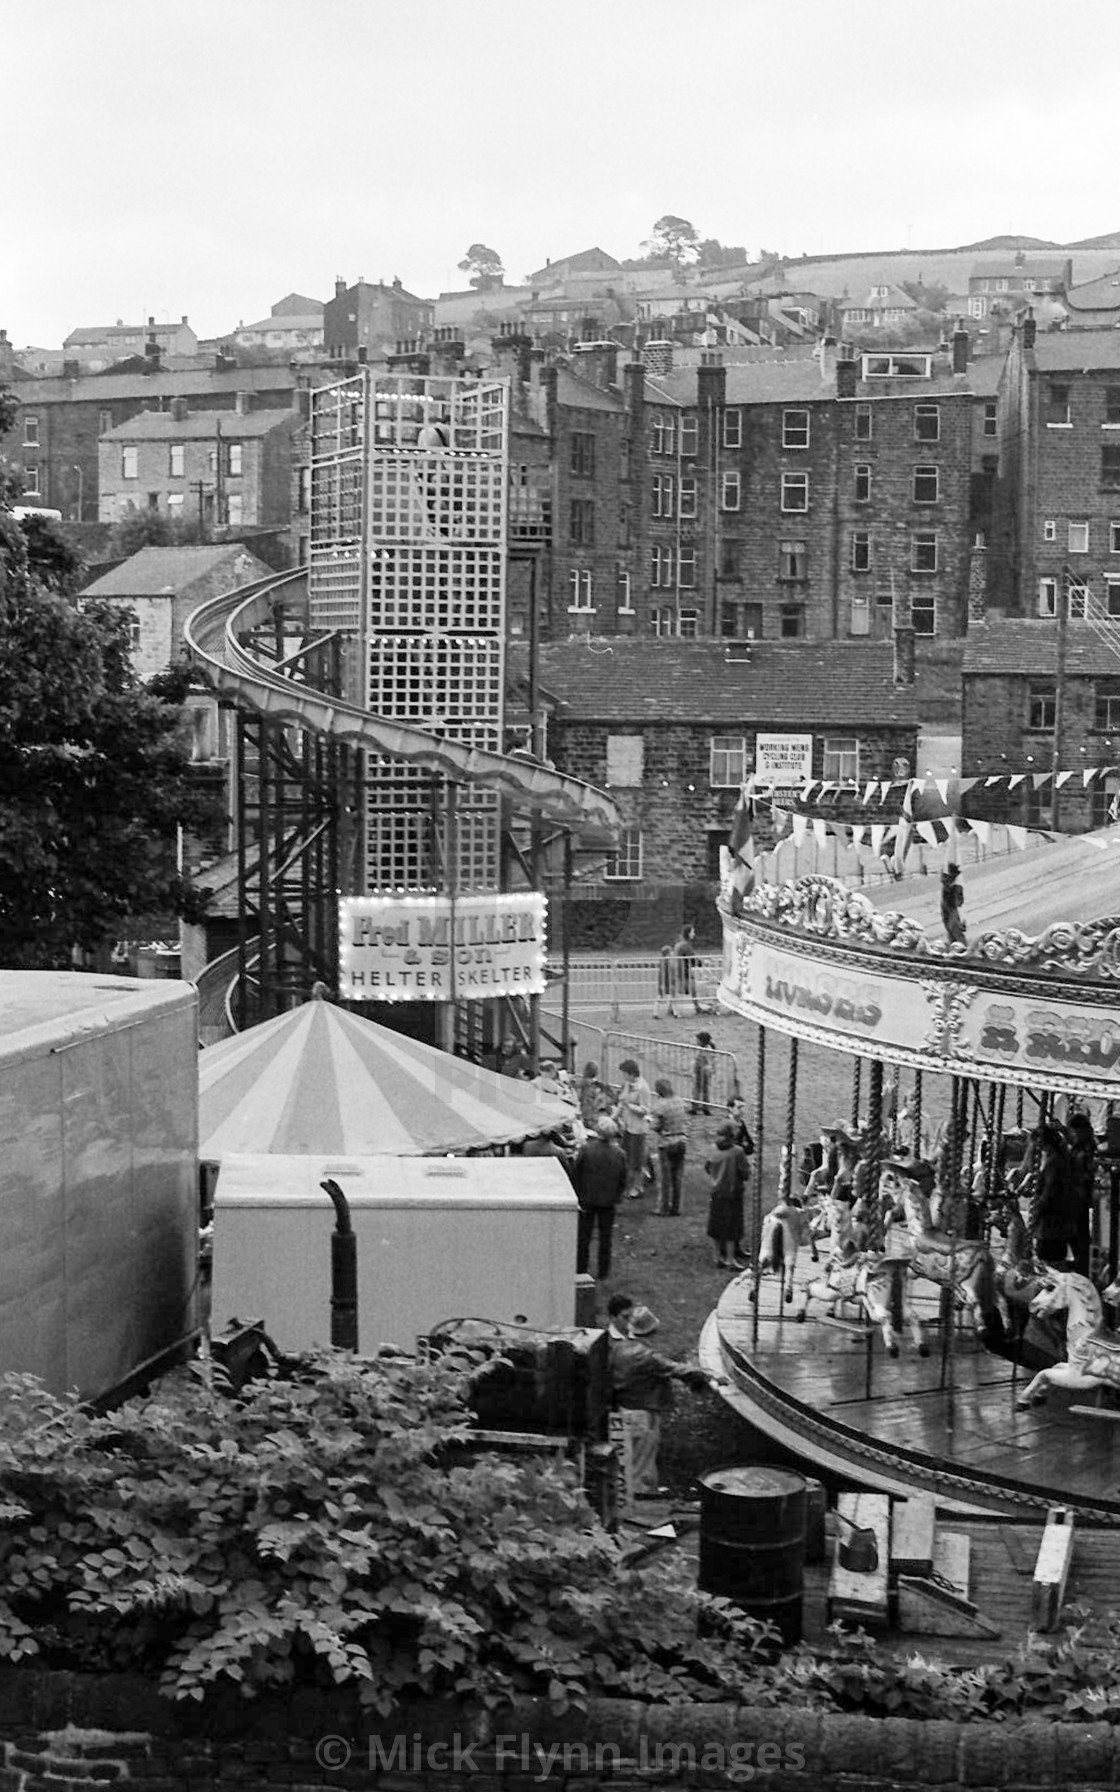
{"type": "Point", "coordinates": [322, 1080]}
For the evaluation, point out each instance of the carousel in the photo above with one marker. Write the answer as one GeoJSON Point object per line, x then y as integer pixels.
{"type": "Point", "coordinates": [933, 1300]}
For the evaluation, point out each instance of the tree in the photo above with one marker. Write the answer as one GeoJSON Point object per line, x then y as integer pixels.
{"type": "Point", "coordinates": [150, 529]}
{"type": "Point", "coordinates": [95, 773]}
{"type": "Point", "coordinates": [673, 239]}
{"type": "Point", "coordinates": [482, 264]}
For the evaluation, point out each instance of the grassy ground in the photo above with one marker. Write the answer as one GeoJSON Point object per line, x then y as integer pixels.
{"type": "Point", "coordinates": [666, 1264]}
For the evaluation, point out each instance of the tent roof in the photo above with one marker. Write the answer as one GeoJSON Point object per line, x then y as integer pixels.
{"type": "Point", "coordinates": [321, 1079]}
{"type": "Point", "coordinates": [1075, 879]}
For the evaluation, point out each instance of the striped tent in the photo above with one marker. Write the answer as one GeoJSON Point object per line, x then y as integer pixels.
{"type": "Point", "coordinates": [323, 1080]}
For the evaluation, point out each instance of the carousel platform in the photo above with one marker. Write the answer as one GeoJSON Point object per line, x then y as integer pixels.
{"type": "Point", "coordinates": [828, 1397]}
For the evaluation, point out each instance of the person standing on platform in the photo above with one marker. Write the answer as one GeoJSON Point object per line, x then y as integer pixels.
{"type": "Point", "coordinates": [1054, 1219]}
{"type": "Point", "coordinates": [599, 1178]}
{"type": "Point", "coordinates": [632, 1114]}
{"type": "Point", "coordinates": [729, 1168]}
{"type": "Point", "coordinates": [669, 1125]}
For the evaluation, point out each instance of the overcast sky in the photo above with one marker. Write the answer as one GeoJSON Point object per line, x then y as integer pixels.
{"type": "Point", "coordinates": [208, 158]}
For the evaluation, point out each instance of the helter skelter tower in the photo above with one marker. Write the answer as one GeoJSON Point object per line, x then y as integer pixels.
{"type": "Point", "coordinates": [407, 566]}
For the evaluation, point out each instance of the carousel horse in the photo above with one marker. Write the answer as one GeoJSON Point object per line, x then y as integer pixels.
{"type": "Point", "coordinates": [783, 1233]}
{"type": "Point", "coordinates": [1017, 1275]}
{"type": "Point", "coordinates": [1092, 1351]}
{"type": "Point", "coordinates": [879, 1284]}
{"type": "Point", "coordinates": [962, 1265]}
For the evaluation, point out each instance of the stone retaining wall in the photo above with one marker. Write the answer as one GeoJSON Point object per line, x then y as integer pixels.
{"type": "Point", "coordinates": [65, 1733]}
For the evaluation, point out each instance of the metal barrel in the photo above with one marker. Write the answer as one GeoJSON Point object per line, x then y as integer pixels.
{"type": "Point", "coordinates": [752, 1542]}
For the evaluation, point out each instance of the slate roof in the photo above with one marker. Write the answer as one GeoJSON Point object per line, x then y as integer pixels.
{"type": "Point", "coordinates": [153, 572]}
{"type": "Point", "coordinates": [1077, 351]}
{"type": "Point", "coordinates": [158, 426]}
{"type": "Point", "coordinates": [799, 381]}
{"type": "Point", "coordinates": [809, 684]}
{"type": "Point", "coordinates": [1026, 646]}
{"type": "Point", "coordinates": [1096, 295]}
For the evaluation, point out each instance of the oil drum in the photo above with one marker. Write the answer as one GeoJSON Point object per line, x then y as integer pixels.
{"type": "Point", "coordinates": [752, 1542]}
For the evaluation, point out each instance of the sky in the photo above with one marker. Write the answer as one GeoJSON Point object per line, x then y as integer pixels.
{"type": "Point", "coordinates": [207, 159]}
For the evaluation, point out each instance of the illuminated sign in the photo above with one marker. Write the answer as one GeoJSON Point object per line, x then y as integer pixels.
{"type": "Point", "coordinates": [783, 759]}
{"type": "Point", "coordinates": [433, 949]}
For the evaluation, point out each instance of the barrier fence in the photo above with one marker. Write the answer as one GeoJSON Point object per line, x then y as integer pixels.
{"type": "Point", "coordinates": [617, 983]}
{"type": "Point", "coordinates": [710, 1089]}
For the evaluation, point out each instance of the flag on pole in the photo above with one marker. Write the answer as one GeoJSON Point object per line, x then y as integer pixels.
{"type": "Point", "coordinates": [740, 844]}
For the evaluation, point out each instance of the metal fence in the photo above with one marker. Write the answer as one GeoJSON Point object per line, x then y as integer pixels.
{"type": "Point", "coordinates": [617, 983]}
{"type": "Point", "coordinates": [710, 1090]}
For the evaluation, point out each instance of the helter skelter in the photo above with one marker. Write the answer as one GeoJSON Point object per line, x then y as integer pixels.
{"type": "Point", "coordinates": [1001, 1034]}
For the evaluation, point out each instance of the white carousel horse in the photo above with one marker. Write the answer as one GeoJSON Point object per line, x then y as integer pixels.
{"type": "Point", "coordinates": [1092, 1351]}
{"type": "Point", "coordinates": [783, 1233]}
{"type": "Point", "coordinates": [963, 1265]}
{"type": "Point", "coordinates": [877, 1282]}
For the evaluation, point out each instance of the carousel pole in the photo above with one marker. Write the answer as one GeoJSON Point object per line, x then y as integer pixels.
{"type": "Point", "coordinates": [756, 1203]}
{"type": "Point", "coordinates": [874, 1155]}
{"type": "Point", "coordinates": [856, 1078]}
{"type": "Point", "coordinates": [785, 1177]}
{"type": "Point", "coordinates": [916, 1109]}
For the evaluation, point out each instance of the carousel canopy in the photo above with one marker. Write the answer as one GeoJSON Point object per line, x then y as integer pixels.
{"type": "Point", "coordinates": [1073, 879]}
{"type": "Point", "coordinates": [323, 1080]}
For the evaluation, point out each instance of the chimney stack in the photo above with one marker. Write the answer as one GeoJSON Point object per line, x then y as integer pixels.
{"type": "Point", "coordinates": [847, 373]}
{"type": "Point", "coordinates": [339, 287]}
{"type": "Point", "coordinates": [961, 346]}
{"type": "Point", "coordinates": [598, 361]}
{"type": "Point", "coordinates": [658, 356]}
{"type": "Point", "coordinates": [1030, 330]}
{"type": "Point", "coordinates": [152, 350]}
{"type": "Point", "coordinates": [711, 381]}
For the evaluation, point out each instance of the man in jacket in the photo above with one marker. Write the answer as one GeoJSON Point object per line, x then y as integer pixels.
{"type": "Point", "coordinates": [642, 1387]}
{"type": "Point", "coordinates": [599, 1175]}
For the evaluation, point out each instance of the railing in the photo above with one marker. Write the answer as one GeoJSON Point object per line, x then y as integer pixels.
{"type": "Point", "coordinates": [707, 1091]}
{"type": "Point", "coordinates": [617, 983]}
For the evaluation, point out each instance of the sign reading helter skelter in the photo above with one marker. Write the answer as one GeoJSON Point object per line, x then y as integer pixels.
{"type": "Point", "coordinates": [438, 949]}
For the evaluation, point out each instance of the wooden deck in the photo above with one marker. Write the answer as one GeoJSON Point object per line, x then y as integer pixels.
{"type": "Point", "coordinates": [945, 1424]}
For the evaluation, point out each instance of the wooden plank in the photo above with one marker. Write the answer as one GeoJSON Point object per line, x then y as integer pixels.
{"type": "Point", "coordinates": [862, 1594]}
{"type": "Point", "coordinates": [952, 1561]}
{"type": "Point", "coordinates": [913, 1530]}
{"type": "Point", "coordinates": [1096, 1412]}
{"type": "Point", "coordinates": [1051, 1571]}
{"type": "Point", "coordinates": [928, 1607]}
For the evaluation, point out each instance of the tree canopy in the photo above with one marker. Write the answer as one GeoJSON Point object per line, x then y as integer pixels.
{"type": "Point", "coordinates": [95, 773]}
{"type": "Point", "coordinates": [673, 239]}
{"type": "Point", "coordinates": [482, 263]}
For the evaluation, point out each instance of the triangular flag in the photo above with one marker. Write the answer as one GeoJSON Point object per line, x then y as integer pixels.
{"type": "Point", "coordinates": [1013, 783]}
{"type": "Point", "coordinates": [943, 790]}
{"type": "Point", "coordinates": [1063, 778]}
{"type": "Point", "coordinates": [858, 831]}
{"type": "Point", "coordinates": [902, 840]}
{"type": "Point", "coordinates": [1038, 779]}
{"type": "Point", "coordinates": [868, 793]}
{"type": "Point", "coordinates": [994, 780]}
{"type": "Point", "coordinates": [884, 791]}
{"type": "Point", "coordinates": [982, 830]}
{"type": "Point", "coordinates": [1019, 837]}
{"type": "Point", "coordinates": [967, 784]}
{"type": "Point", "coordinates": [1089, 774]}
{"type": "Point", "coordinates": [878, 834]}
{"type": "Point", "coordinates": [820, 832]}
{"type": "Point", "coordinates": [740, 841]}
{"type": "Point", "coordinates": [800, 828]}
{"type": "Point", "coordinates": [927, 831]}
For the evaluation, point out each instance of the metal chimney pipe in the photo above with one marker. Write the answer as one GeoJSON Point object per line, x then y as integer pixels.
{"type": "Point", "coordinates": [344, 1272]}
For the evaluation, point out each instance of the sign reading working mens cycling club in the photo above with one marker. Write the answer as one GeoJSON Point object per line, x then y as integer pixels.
{"type": "Point", "coordinates": [433, 949]}
{"type": "Point", "coordinates": [783, 759]}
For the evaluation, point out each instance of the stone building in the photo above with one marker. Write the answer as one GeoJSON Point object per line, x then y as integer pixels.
{"type": "Point", "coordinates": [368, 320]}
{"type": "Point", "coordinates": [231, 470]}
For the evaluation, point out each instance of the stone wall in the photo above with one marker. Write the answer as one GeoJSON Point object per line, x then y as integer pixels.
{"type": "Point", "coordinates": [62, 1733]}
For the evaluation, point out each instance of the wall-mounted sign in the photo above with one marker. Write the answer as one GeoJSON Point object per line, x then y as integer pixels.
{"type": "Point", "coordinates": [431, 949]}
{"type": "Point", "coordinates": [783, 759]}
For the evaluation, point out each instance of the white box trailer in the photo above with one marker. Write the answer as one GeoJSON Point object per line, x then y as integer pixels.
{"type": "Point", "coordinates": [437, 1238]}
{"type": "Point", "coordinates": [98, 1176]}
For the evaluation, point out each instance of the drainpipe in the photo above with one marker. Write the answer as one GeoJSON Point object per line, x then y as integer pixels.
{"type": "Point", "coordinates": [344, 1272]}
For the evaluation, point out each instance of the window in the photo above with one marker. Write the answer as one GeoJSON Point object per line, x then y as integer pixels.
{"type": "Point", "coordinates": [690, 433]}
{"type": "Point", "coordinates": [1048, 597]}
{"type": "Point", "coordinates": [1078, 600]}
{"type": "Point", "coordinates": [661, 566]}
{"type": "Point", "coordinates": [686, 568]}
{"type": "Point", "coordinates": [860, 623]}
{"type": "Point", "coordinates": [1049, 530]}
{"type": "Point", "coordinates": [176, 460]}
{"type": "Point", "coordinates": [840, 764]}
{"type": "Point", "coordinates": [923, 613]}
{"type": "Point", "coordinates": [793, 560]}
{"type": "Point", "coordinates": [991, 419]}
{"type": "Point", "coordinates": [795, 491]}
{"type": "Point", "coordinates": [860, 560]}
{"type": "Point", "coordinates": [927, 488]}
{"type": "Point", "coordinates": [235, 509]}
{"type": "Point", "coordinates": [662, 494]}
{"type": "Point", "coordinates": [730, 559]}
{"type": "Point", "coordinates": [862, 487]}
{"type": "Point", "coordinates": [30, 431]}
{"type": "Point", "coordinates": [130, 468]}
{"type": "Point", "coordinates": [686, 498]}
{"type": "Point", "coordinates": [174, 503]}
{"type": "Point", "coordinates": [729, 761]}
{"type": "Point", "coordinates": [1112, 407]}
{"type": "Point", "coordinates": [1106, 710]}
{"type": "Point", "coordinates": [1001, 285]}
{"type": "Point", "coordinates": [863, 423]}
{"type": "Point", "coordinates": [32, 488]}
{"type": "Point", "coordinates": [795, 429]}
{"type": "Point", "coordinates": [663, 433]}
{"type": "Point", "coordinates": [896, 367]}
{"type": "Point", "coordinates": [927, 422]}
{"type": "Point", "coordinates": [626, 761]}
{"type": "Point", "coordinates": [1111, 597]}
{"type": "Point", "coordinates": [1114, 538]}
{"type": "Point", "coordinates": [923, 550]}
{"type": "Point", "coordinates": [626, 863]}
{"type": "Point", "coordinates": [1078, 538]}
{"type": "Point", "coordinates": [733, 428]}
{"type": "Point", "coordinates": [1041, 705]}
{"type": "Point", "coordinates": [233, 461]}
{"type": "Point", "coordinates": [688, 624]}
{"type": "Point", "coordinates": [625, 601]}
{"type": "Point", "coordinates": [581, 524]}
{"type": "Point", "coordinates": [583, 455]}
{"type": "Point", "coordinates": [1110, 467]}
{"type": "Point", "coordinates": [1055, 411]}
{"type": "Point", "coordinates": [791, 621]}
{"type": "Point", "coordinates": [663, 620]}
{"type": "Point", "coordinates": [977, 306]}
{"type": "Point", "coordinates": [579, 583]}
{"type": "Point", "coordinates": [730, 491]}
